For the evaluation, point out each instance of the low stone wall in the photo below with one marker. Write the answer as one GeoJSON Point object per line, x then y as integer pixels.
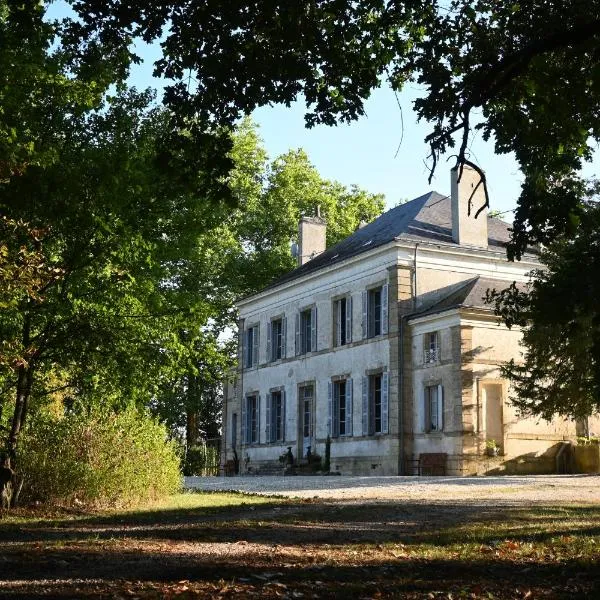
{"type": "Point", "coordinates": [586, 459]}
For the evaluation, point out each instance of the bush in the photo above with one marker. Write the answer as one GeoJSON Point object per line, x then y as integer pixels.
{"type": "Point", "coordinates": [98, 459]}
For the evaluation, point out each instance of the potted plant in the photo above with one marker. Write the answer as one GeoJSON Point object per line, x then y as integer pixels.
{"type": "Point", "coordinates": [492, 448]}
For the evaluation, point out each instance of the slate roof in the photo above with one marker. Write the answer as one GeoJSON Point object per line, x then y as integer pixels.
{"type": "Point", "coordinates": [427, 218]}
{"type": "Point", "coordinates": [470, 294]}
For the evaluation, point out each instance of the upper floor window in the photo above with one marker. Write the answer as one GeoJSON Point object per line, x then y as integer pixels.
{"type": "Point", "coordinates": [340, 408]}
{"type": "Point", "coordinates": [342, 321]}
{"type": "Point", "coordinates": [375, 311]}
{"type": "Point", "coordinates": [375, 404]}
{"type": "Point", "coordinates": [434, 408]}
{"type": "Point", "coordinates": [276, 339]}
{"type": "Point", "coordinates": [276, 416]}
{"type": "Point", "coordinates": [431, 352]}
{"type": "Point", "coordinates": [251, 346]}
{"type": "Point", "coordinates": [306, 331]}
{"type": "Point", "coordinates": [250, 411]}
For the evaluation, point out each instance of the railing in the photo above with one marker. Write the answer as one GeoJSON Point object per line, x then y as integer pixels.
{"type": "Point", "coordinates": [431, 356]}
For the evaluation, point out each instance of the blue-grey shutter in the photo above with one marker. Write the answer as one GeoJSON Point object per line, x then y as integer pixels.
{"type": "Point", "coordinates": [283, 415]}
{"type": "Point", "coordinates": [427, 409]}
{"type": "Point", "coordinates": [283, 337]}
{"type": "Point", "coordinates": [244, 420]}
{"type": "Point", "coordinates": [268, 429]}
{"type": "Point", "coordinates": [297, 333]}
{"type": "Point", "coordinates": [269, 335]}
{"type": "Point", "coordinates": [313, 329]}
{"type": "Point", "coordinates": [440, 407]}
{"type": "Point", "coordinates": [365, 314]}
{"type": "Point", "coordinates": [365, 406]}
{"type": "Point", "coordinates": [349, 406]}
{"type": "Point", "coordinates": [385, 382]}
{"type": "Point", "coordinates": [245, 348]}
{"type": "Point", "coordinates": [348, 323]}
{"type": "Point", "coordinates": [330, 409]}
{"type": "Point", "coordinates": [258, 419]}
{"type": "Point", "coordinates": [338, 322]}
{"type": "Point", "coordinates": [255, 345]}
{"type": "Point", "coordinates": [384, 308]}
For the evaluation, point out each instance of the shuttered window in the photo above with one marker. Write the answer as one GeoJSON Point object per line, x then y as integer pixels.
{"type": "Point", "coordinates": [251, 347]}
{"type": "Point", "coordinates": [275, 422]}
{"type": "Point", "coordinates": [375, 401]}
{"type": "Point", "coordinates": [342, 313]}
{"type": "Point", "coordinates": [340, 408]}
{"type": "Point", "coordinates": [434, 408]}
{"type": "Point", "coordinates": [276, 339]}
{"type": "Point", "coordinates": [306, 331]}
{"type": "Point", "coordinates": [250, 411]}
{"type": "Point", "coordinates": [375, 311]}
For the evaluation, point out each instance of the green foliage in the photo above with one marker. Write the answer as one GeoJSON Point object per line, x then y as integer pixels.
{"type": "Point", "coordinates": [560, 319]}
{"type": "Point", "coordinates": [98, 458]}
{"type": "Point", "coordinates": [525, 74]}
{"type": "Point", "coordinates": [201, 460]}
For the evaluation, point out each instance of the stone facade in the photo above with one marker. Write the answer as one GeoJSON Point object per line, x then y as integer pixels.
{"type": "Point", "coordinates": [414, 372]}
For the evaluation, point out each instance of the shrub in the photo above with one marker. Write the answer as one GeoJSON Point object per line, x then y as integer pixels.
{"type": "Point", "coordinates": [98, 459]}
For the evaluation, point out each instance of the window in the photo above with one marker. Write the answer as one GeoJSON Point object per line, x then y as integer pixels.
{"type": "Point", "coordinates": [276, 339]}
{"type": "Point", "coordinates": [431, 352]}
{"type": "Point", "coordinates": [250, 419]}
{"type": "Point", "coordinates": [306, 395]}
{"type": "Point", "coordinates": [434, 410]}
{"type": "Point", "coordinates": [375, 404]}
{"type": "Point", "coordinates": [340, 408]}
{"type": "Point", "coordinates": [276, 416]}
{"type": "Point", "coordinates": [306, 331]}
{"type": "Point", "coordinates": [342, 319]}
{"type": "Point", "coordinates": [251, 347]}
{"type": "Point", "coordinates": [375, 311]}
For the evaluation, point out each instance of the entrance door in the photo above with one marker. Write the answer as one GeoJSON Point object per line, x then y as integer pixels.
{"type": "Point", "coordinates": [306, 405]}
{"type": "Point", "coordinates": [494, 425]}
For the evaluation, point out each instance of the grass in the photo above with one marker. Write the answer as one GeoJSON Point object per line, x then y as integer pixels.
{"type": "Point", "coordinates": [235, 545]}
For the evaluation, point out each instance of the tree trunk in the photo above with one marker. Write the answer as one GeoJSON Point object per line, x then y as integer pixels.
{"type": "Point", "coordinates": [10, 486]}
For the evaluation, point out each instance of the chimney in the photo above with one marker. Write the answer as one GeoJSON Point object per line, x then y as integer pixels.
{"type": "Point", "coordinates": [466, 229]}
{"type": "Point", "coordinates": [311, 238]}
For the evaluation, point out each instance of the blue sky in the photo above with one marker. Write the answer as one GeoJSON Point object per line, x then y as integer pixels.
{"type": "Point", "coordinates": [383, 152]}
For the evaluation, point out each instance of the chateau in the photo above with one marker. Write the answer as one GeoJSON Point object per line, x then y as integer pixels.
{"type": "Point", "coordinates": [384, 343]}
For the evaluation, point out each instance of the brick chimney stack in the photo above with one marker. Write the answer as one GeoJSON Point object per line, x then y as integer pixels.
{"type": "Point", "coordinates": [311, 238]}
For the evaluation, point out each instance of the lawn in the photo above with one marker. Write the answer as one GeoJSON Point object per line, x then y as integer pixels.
{"type": "Point", "coordinates": [234, 545]}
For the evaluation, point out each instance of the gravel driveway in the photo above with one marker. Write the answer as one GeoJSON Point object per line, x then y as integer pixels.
{"type": "Point", "coordinates": [517, 489]}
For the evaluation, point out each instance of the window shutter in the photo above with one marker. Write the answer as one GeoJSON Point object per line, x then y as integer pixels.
{"type": "Point", "coordinates": [384, 308]}
{"type": "Point", "coordinates": [338, 322]}
{"type": "Point", "coordinates": [385, 382]}
{"type": "Point", "coordinates": [297, 333]}
{"type": "Point", "coordinates": [440, 404]}
{"type": "Point", "coordinates": [283, 337]}
{"type": "Point", "coordinates": [365, 315]}
{"type": "Point", "coordinates": [255, 346]}
{"type": "Point", "coordinates": [269, 336]}
{"type": "Point", "coordinates": [283, 415]}
{"type": "Point", "coordinates": [329, 409]}
{"type": "Point", "coordinates": [268, 428]}
{"type": "Point", "coordinates": [245, 348]}
{"type": "Point", "coordinates": [244, 420]}
{"type": "Point", "coordinates": [365, 406]}
{"type": "Point", "coordinates": [349, 406]}
{"type": "Point", "coordinates": [348, 323]}
{"type": "Point", "coordinates": [313, 329]}
{"type": "Point", "coordinates": [258, 419]}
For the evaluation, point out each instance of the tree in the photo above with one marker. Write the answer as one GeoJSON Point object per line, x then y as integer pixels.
{"type": "Point", "coordinates": [524, 73]}
{"type": "Point", "coordinates": [247, 250]}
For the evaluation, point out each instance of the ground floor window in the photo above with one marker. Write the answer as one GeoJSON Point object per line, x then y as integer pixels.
{"type": "Point", "coordinates": [250, 419]}
{"type": "Point", "coordinates": [375, 404]}
{"type": "Point", "coordinates": [276, 416]}
{"type": "Point", "coordinates": [340, 408]}
{"type": "Point", "coordinates": [434, 408]}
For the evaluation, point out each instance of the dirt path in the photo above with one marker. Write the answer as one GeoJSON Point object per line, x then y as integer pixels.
{"type": "Point", "coordinates": [517, 489]}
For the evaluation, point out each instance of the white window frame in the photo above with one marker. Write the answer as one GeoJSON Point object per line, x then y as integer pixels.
{"type": "Point", "coordinates": [431, 348]}
{"type": "Point", "coordinates": [272, 345]}
{"type": "Point", "coordinates": [368, 318]}
{"type": "Point", "coordinates": [433, 396]}
{"type": "Point", "coordinates": [303, 344]}
{"type": "Point", "coordinates": [275, 421]}
{"type": "Point", "coordinates": [342, 334]}
{"type": "Point", "coordinates": [251, 350]}
{"type": "Point", "coordinates": [334, 413]}
{"type": "Point", "coordinates": [368, 404]}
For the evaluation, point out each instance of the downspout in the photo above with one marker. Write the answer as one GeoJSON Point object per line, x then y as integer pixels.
{"type": "Point", "coordinates": [415, 289]}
